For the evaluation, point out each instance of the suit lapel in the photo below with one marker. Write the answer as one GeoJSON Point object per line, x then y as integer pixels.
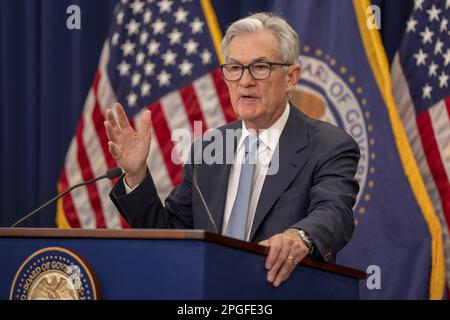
{"type": "Point", "coordinates": [292, 157]}
{"type": "Point", "coordinates": [217, 176]}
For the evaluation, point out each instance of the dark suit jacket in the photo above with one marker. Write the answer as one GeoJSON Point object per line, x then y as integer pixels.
{"type": "Point", "coordinates": [314, 190]}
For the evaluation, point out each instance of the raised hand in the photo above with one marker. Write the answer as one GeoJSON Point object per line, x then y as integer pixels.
{"type": "Point", "coordinates": [129, 147]}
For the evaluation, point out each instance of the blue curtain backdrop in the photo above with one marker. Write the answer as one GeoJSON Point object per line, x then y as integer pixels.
{"type": "Point", "coordinates": [46, 71]}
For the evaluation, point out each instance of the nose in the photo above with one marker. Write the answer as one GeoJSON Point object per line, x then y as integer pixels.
{"type": "Point", "coordinates": [246, 79]}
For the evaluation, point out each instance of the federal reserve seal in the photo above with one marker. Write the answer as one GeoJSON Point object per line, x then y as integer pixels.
{"type": "Point", "coordinates": [54, 274]}
{"type": "Point", "coordinates": [330, 92]}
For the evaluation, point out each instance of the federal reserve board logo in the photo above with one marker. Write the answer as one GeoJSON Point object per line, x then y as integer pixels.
{"type": "Point", "coordinates": [54, 274]}
{"type": "Point", "coordinates": [328, 91]}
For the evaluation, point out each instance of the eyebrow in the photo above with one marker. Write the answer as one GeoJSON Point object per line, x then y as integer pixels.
{"type": "Point", "coordinates": [260, 59]}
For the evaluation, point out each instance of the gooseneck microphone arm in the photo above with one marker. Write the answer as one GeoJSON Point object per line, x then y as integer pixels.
{"type": "Point", "coordinates": [194, 180]}
{"type": "Point", "coordinates": [110, 174]}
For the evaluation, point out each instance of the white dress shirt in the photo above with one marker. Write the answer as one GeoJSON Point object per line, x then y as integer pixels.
{"type": "Point", "coordinates": [268, 141]}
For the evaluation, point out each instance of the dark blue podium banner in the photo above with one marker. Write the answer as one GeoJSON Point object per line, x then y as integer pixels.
{"type": "Point", "coordinates": [150, 264]}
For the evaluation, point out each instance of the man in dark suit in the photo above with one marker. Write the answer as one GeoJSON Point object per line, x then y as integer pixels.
{"type": "Point", "coordinates": [288, 182]}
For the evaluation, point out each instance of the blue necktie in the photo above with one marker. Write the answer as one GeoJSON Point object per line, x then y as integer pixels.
{"type": "Point", "coordinates": [238, 218]}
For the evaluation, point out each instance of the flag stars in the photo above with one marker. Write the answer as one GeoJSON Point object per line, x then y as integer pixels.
{"type": "Point", "coordinates": [432, 68]}
{"type": "Point", "coordinates": [164, 78]}
{"type": "Point", "coordinates": [411, 25]}
{"type": "Point", "coordinates": [147, 16]}
{"type": "Point", "coordinates": [446, 57]}
{"type": "Point", "coordinates": [158, 60]}
{"type": "Point", "coordinates": [443, 80]}
{"type": "Point", "coordinates": [137, 6]}
{"type": "Point", "coordinates": [132, 27]}
{"type": "Point", "coordinates": [191, 47]}
{"type": "Point", "coordinates": [206, 57]}
{"type": "Point", "coordinates": [196, 26]}
{"type": "Point", "coordinates": [444, 25]}
{"type": "Point", "coordinates": [175, 36]}
{"type": "Point", "coordinates": [418, 4]}
{"type": "Point", "coordinates": [165, 6]}
{"type": "Point", "coordinates": [433, 13]}
{"type": "Point", "coordinates": [128, 48]}
{"type": "Point", "coordinates": [149, 68]}
{"type": "Point", "coordinates": [426, 91]}
{"type": "Point", "coordinates": [185, 68]}
{"type": "Point", "coordinates": [153, 47]}
{"type": "Point", "coordinates": [420, 57]}
{"type": "Point", "coordinates": [169, 57]}
{"type": "Point", "coordinates": [181, 16]}
{"type": "Point", "coordinates": [145, 89]}
{"type": "Point", "coordinates": [140, 57]}
{"type": "Point", "coordinates": [131, 99]}
{"type": "Point", "coordinates": [143, 37]}
{"type": "Point", "coordinates": [438, 47]}
{"type": "Point", "coordinates": [135, 79]}
{"type": "Point", "coordinates": [158, 26]}
{"type": "Point", "coordinates": [427, 35]}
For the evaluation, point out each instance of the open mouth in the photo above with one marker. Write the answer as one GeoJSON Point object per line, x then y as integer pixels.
{"type": "Point", "coordinates": [248, 98]}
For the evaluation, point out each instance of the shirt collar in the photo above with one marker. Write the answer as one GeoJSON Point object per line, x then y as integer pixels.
{"type": "Point", "coordinates": [271, 135]}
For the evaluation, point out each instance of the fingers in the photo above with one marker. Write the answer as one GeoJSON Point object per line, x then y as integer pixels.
{"type": "Point", "coordinates": [110, 118]}
{"type": "Point", "coordinates": [274, 247]}
{"type": "Point", "coordinates": [298, 257]}
{"type": "Point", "coordinates": [277, 256]}
{"type": "Point", "coordinates": [284, 255]}
{"type": "Point", "coordinates": [291, 261]}
{"type": "Point", "coordinates": [112, 129]}
{"type": "Point", "coordinates": [146, 123]}
{"type": "Point", "coordinates": [122, 117]}
{"type": "Point", "coordinates": [111, 125]}
{"type": "Point", "coordinates": [111, 132]}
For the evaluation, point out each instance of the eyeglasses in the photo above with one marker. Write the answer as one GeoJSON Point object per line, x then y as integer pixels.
{"type": "Point", "coordinates": [258, 70]}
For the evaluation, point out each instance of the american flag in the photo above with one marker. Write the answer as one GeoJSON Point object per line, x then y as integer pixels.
{"type": "Point", "coordinates": [160, 55]}
{"type": "Point", "coordinates": [420, 79]}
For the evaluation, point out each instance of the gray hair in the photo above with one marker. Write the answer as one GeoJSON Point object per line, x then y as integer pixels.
{"type": "Point", "coordinates": [288, 39]}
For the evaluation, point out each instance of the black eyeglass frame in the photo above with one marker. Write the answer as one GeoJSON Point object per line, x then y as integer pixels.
{"type": "Point", "coordinates": [248, 67]}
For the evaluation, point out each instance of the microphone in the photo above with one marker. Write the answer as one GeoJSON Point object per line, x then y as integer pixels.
{"type": "Point", "coordinates": [194, 180]}
{"type": "Point", "coordinates": [110, 174]}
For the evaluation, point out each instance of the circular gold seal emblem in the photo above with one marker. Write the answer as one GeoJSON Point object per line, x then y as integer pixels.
{"type": "Point", "coordinates": [54, 274]}
{"type": "Point", "coordinates": [329, 92]}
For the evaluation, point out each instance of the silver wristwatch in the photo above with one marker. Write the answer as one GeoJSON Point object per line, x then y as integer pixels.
{"type": "Point", "coordinates": [306, 239]}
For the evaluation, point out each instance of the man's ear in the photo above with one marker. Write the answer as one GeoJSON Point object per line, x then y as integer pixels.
{"type": "Point", "coordinates": [294, 73]}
